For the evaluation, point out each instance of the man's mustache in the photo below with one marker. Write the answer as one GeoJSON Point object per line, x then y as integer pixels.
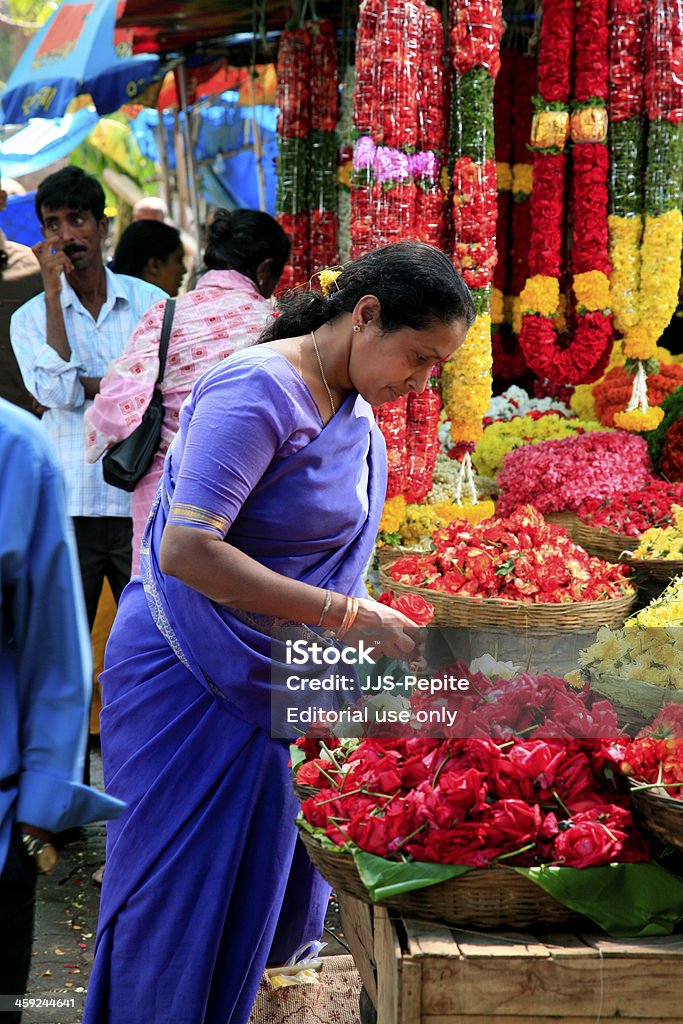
{"type": "Point", "coordinates": [73, 247]}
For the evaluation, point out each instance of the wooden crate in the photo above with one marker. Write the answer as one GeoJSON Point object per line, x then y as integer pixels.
{"type": "Point", "coordinates": [424, 974]}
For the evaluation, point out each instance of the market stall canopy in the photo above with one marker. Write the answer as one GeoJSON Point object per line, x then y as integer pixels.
{"type": "Point", "coordinates": [78, 51]}
{"type": "Point", "coordinates": [183, 23]}
{"type": "Point", "coordinates": [45, 140]}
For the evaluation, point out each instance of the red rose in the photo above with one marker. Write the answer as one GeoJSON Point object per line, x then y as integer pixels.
{"type": "Point", "coordinates": [415, 607]}
{"type": "Point", "coordinates": [310, 773]}
{"type": "Point", "coordinates": [587, 843]}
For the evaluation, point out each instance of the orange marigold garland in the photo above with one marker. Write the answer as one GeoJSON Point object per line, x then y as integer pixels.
{"type": "Point", "coordinates": [583, 28]}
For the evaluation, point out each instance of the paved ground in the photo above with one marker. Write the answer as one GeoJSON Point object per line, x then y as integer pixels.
{"type": "Point", "coordinates": [66, 923]}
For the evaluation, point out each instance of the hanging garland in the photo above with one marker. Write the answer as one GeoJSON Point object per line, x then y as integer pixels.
{"type": "Point", "coordinates": [476, 30]}
{"type": "Point", "coordinates": [427, 161]}
{"type": "Point", "coordinates": [293, 126]}
{"type": "Point", "coordinates": [345, 164]}
{"type": "Point", "coordinates": [646, 255]}
{"type": "Point", "coordinates": [566, 27]}
{"type": "Point", "coordinates": [322, 152]}
{"type": "Point", "coordinates": [422, 442]}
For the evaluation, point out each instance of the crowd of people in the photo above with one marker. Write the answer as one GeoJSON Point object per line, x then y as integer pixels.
{"type": "Point", "coordinates": [261, 505]}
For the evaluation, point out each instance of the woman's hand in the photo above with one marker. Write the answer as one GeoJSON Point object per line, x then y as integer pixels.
{"type": "Point", "coordinates": [392, 634]}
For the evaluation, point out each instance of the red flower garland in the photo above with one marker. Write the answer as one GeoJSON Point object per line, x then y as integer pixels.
{"type": "Point", "coordinates": [586, 356]}
{"type": "Point", "coordinates": [422, 443]}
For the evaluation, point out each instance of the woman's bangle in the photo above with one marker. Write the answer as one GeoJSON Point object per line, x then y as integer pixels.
{"type": "Point", "coordinates": [326, 607]}
{"type": "Point", "coordinates": [349, 616]}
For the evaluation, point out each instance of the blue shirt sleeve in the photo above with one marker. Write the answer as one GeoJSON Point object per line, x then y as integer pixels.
{"type": "Point", "coordinates": [45, 643]}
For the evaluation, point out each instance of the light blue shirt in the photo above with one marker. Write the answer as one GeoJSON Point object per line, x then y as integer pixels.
{"type": "Point", "coordinates": [45, 655]}
{"type": "Point", "coordinates": [55, 381]}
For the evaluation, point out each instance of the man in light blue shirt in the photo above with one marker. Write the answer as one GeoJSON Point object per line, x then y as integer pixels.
{"type": "Point", "coordinates": [64, 340]}
{"type": "Point", "coordinates": [45, 681]}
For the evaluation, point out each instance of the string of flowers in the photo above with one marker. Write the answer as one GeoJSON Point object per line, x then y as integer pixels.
{"type": "Point", "coordinates": [322, 154]}
{"type": "Point", "coordinates": [503, 106]}
{"type": "Point", "coordinates": [665, 444]}
{"type": "Point", "coordinates": [581, 31]}
{"type": "Point", "coordinates": [426, 164]}
{"type": "Point", "coordinates": [294, 122]}
{"type": "Point", "coordinates": [422, 441]}
{"type": "Point", "coordinates": [345, 164]}
{"type": "Point", "coordinates": [476, 30]}
{"type": "Point", "coordinates": [648, 266]}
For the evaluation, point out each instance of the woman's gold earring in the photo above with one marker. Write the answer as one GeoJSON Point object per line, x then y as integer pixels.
{"type": "Point", "coordinates": [356, 327]}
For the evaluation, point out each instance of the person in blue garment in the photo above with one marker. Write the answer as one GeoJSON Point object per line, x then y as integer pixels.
{"type": "Point", "coordinates": [267, 509]}
{"type": "Point", "coordinates": [45, 681]}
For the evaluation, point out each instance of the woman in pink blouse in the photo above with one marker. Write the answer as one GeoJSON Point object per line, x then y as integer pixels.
{"type": "Point", "coordinates": [245, 255]}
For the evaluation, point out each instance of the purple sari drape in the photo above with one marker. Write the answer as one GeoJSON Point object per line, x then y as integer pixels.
{"type": "Point", "coordinates": [205, 863]}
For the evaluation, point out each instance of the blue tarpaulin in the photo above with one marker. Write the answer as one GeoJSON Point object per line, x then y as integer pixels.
{"type": "Point", "coordinates": [43, 141]}
{"type": "Point", "coordinates": [227, 166]}
{"type": "Point", "coordinates": [19, 220]}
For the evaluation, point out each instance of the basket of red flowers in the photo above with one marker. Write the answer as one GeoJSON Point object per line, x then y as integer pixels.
{"type": "Point", "coordinates": [653, 762]}
{"type": "Point", "coordinates": [514, 573]}
{"type": "Point", "coordinates": [610, 527]}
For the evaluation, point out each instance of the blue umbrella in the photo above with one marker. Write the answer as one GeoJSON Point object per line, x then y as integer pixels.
{"type": "Point", "coordinates": [78, 50]}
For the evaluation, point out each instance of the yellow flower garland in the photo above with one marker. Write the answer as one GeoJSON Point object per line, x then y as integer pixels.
{"type": "Point", "coordinates": [624, 249]}
{"type": "Point", "coordinates": [541, 294]}
{"type": "Point", "coordinates": [466, 382]}
{"type": "Point", "coordinates": [592, 290]}
{"type": "Point", "coordinates": [522, 179]}
{"type": "Point", "coordinates": [503, 176]}
{"type": "Point", "coordinates": [497, 306]}
{"type": "Point", "coordinates": [660, 273]}
{"type": "Point", "coordinates": [636, 419]}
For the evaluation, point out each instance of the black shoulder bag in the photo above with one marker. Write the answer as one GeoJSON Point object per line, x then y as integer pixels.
{"type": "Point", "coordinates": [126, 463]}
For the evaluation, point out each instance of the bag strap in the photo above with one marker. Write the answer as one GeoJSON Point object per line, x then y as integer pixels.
{"type": "Point", "coordinates": [163, 341]}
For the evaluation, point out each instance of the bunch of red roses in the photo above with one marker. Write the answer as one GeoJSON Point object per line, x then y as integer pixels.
{"type": "Point", "coordinates": [655, 756]}
{"type": "Point", "coordinates": [634, 512]}
{"type": "Point", "coordinates": [475, 802]}
{"type": "Point", "coordinates": [525, 705]}
{"type": "Point", "coordinates": [557, 475]}
{"type": "Point", "coordinates": [519, 558]}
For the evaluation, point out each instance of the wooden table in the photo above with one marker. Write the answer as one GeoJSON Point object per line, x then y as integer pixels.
{"type": "Point", "coordinates": [418, 973]}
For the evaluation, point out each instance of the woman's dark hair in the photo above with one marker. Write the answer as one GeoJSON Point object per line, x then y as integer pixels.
{"type": "Point", "coordinates": [144, 240]}
{"type": "Point", "coordinates": [72, 188]}
{"type": "Point", "coordinates": [416, 284]}
{"type": "Point", "coordinates": [242, 239]}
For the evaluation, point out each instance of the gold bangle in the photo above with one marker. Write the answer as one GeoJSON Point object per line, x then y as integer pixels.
{"type": "Point", "coordinates": [326, 606]}
{"type": "Point", "coordinates": [349, 616]}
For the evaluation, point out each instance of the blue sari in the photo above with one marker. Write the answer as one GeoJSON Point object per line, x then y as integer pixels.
{"type": "Point", "coordinates": [206, 882]}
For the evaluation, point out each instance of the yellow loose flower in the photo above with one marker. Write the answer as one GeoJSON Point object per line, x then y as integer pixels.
{"type": "Point", "coordinates": [665, 541]}
{"type": "Point", "coordinates": [592, 290]}
{"type": "Point", "coordinates": [327, 278]}
{"type": "Point", "coordinates": [541, 294]}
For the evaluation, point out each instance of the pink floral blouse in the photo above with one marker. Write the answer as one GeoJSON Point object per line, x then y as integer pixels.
{"type": "Point", "coordinates": [225, 313]}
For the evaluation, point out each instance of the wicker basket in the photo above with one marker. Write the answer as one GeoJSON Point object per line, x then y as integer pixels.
{"type": "Point", "coordinates": [567, 520]}
{"type": "Point", "coordinates": [495, 615]}
{"type": "Point", "coordinates": [660, 814]}
{"type": "Point", "coordinates": [603, 543]}
{"type": "Point", "coordinates": [496, 897]}
{"type": "Point", "coordinates": [658, 568]}
{"type": "Point", "coordinates": [387, 554]}
{"type": "Point", "coordinates": [644, 700]}
{"type": "Point", "coordinates": [303, 792]}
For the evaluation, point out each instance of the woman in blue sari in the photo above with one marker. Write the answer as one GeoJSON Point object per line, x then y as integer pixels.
{"type": "Point", "coordinates": [268, 509]}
